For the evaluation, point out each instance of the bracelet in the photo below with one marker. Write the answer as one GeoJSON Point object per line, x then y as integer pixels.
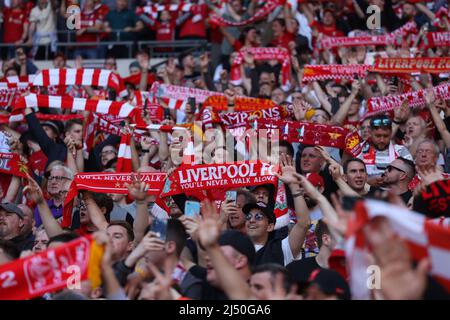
{"type": "Point", "coordinates": [398, 122]}
{"type": "Point", "coordinates": [295, 195]}
{"type": "Point", "coordinates": [145, 150]}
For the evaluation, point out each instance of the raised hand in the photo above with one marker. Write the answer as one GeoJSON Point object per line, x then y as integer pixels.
{"type": "Point", "coordinates": [137, 188]}
{"type": "Point", "coordinates": [429, 175]}
{"type": "Point", "coordinates": [191, 226]}
{"type": "Point", "coordinates": [310, 190]}
{"type": "Point", "coordinates": [226, 209]}
{"type": "Point", "coordinates": [430, 97]}
{"type": "Point", "coordinates": [400, 281]}
{"type": "Point", "coordinates": [335, 171]}
{"type": "Point", "coordinates": [287, 170]}
{"type": "Point", "coordinates": [204, 61]}
{"type": "Point", "coordinates": [209, 228]}
{"type": "Point", "coordinates": [402, 114]}
{"type": "Point", "coordinates": [33, 191]}
{"type": "Point", "coordinates": [356, 86]}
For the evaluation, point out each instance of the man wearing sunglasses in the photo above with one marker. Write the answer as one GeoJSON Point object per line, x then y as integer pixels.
{"type": "Point", "coordinates": [379, 151]}
{"type": "Point", "coordinates": [397, 177]}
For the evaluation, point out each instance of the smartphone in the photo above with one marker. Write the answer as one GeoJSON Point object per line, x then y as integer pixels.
{"type": "Point", "coordinates": [191, 102]}
{"type": "Point", "coordinates": [192, 209]}
{"type": "Point", "coordinates": [167, 114]}
{"type": "Point", "coordinates": [231, 195]}
{"type": "Point", "coordinates": [160, 228]}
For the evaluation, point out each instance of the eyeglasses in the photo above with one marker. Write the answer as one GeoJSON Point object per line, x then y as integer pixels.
{"type": "Point", "coordinates": [390, 167]}
{"type": "Point", "coordinates": [82, 206]}
{"type": "Point", "coordinates": [381, 123]}
{"type": "Point", "coordinates": [258, 216]}
{"type": "Point", "coordinates": [57, 178]}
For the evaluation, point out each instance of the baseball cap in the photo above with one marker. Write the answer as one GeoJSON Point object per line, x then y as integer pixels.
{"type": "Point", "coordinates": [315, 179]}
{"type": "Point", "coordinates": [260, 206]}
{"type": "Point", "coordinates": [330, 282]}
{"type": "Point", "coordinates": [11, 207]}
{"type": "Point", "coordinates": [240, 242]}
{"type": "Point", "coordinates": [52, 125]}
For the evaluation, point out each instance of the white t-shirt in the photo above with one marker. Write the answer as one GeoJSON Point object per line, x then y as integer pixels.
{"type": "Point", "coordinates": [45, 19]}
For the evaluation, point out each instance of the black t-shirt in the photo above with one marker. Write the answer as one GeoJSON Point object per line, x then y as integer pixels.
{"type": "Point", "coordinates": [300, 270]}
{"type": "Point", "coordinates": [208, 292]}
{"type": "Point", "coordinates": [406, 196]}
{"type": "Point", "coordinates": [24, 242]}
{"type": "Point", "coordinates": [272, 252]}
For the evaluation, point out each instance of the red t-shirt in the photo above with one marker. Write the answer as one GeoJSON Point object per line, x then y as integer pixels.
{"type": "Point", "coordinates": [284, 40]}
{"type": "Point", "coordinates": [165, 31]}
{"type": "Point", "coordinates": [13, 23]}
{"type": "Point", "coordinates": [102, 10]}
{"type": "Point", "coordinates": [330, 31]}
{"type": "Point", "coordinates": [88, 19]}
{"type": "Point", "coordinates": [197, 28]}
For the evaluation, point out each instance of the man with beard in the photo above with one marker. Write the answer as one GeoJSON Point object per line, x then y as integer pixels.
{"type": "Point", "coordinates": [379, 151]}
{"type": "Point", "coordinates": [11, 226]}
{"type": "Point", "coordinates": [397, 177]}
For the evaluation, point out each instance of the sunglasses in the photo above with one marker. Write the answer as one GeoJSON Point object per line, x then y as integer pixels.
{"type": "Point", "coordinates": [258, 216]}
{"type": "Point", "coordinates": [381, 123]}
{"type": "Point", "coordinates": [390, 167]}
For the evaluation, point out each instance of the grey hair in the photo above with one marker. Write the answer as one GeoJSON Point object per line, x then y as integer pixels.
{"type": "Point", "coordinates": [433, 143]}
{"type": "Point", "coordinates": [67, 171]}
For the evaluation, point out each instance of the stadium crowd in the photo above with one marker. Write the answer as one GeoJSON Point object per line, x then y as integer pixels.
{"type": "Point", "coordinates": [102, 171]}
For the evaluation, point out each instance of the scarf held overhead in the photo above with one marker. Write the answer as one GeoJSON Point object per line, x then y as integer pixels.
{"type": "Point", "coordinates": [51, 270]}
{"type": "Point", "coordinates": [412, 65]}
{"type": "Point", "coordinates": [279, 54]}
{"type": "Point", "coordinates": [213, 176]}
{"type": "Point", "coordinates": [107, 183]}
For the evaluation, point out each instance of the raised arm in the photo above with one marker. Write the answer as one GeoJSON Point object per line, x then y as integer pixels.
{"type": "Point", "coordinates": [34, 193]}
{"type": "Point", "coordinates": [231, 280]}
{"type": "Point", "coordinates": [339, 117]}
{"type": "Point", "coordinates": [298, 233]}
{"type": "Point", "coordinates": [95, 214]}
{"type": "Point", "coordinates": [138, 191]}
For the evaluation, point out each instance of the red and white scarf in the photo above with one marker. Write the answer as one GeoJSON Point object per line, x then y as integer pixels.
{"type": "Point", "coordinates": [169, 91]}
{"type": "Point", "coordinates": [51, 270]}
{"type": "Point", "coordinates": [10, 163]}
{"type": "Point", "coordinates": [220, 103]}
{"type": "Point", "coordinates": [124, 163]}
{"type": "Point", "coordinates": [425, 239]}
{"type": "Point", "coordinates": [102, 182]}
{"type": "Point", "coordinates": [155, 9]}
{"type": "Point", "coordinates": [34, 101]}
{"type": "Point", "coordinates": [280, 54]}
{"type": "Point", "coordinates": [214, 176]}
{"type": "Point", "coordinates": [262, 12]}
{"type": "Point", "coordinates": [412, 65]}
{"type": "Point", "coordinates": [415, 99]}
{"type": "Point", "coordinates": [236, 119]}
{"type": "Point", "coordinates": [334, 42]}
{"type": "Point", "coordinates": [334, 71]}
{"type": "Point", "coordinates": [309, 133]}
{"type": "Point", "coordinates": [281, 210]}
{"type": "Point", "coordinates": [436, 39]}
{"type": "Point", "coordinates": [80, 77]}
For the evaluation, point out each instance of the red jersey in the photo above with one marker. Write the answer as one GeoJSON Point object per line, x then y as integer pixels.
{"type": "Point", "coordinates": [102, 10]}
{"type": "Point", "coordinates": [330, 31]}
{"type": "Point", "coordinates": [89, 19]}
{"type": "Point", "coordinates": [195, 25]}
{"type": "Point", "coordinates": [165, 31]}
{"type": "Point", "coordinates": [13, 24]}
{"type": "Point", "coordinates": [283, 41]}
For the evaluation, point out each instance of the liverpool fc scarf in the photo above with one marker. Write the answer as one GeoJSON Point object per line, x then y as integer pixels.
{"type": "Point", "coordinates": [189, 178]}
{"type": "Point", "coordinates": [334, 71]}
{"type": "Point", "coordinates": [10, 163]}
{"type": "Point", "coordinates": [280, 54]}
{"type": "Point", "coordinates": [52, 270]}
{"type": "Point", "coordinates": [220, 103]}
{"type": "Point", "coordinates": [264, 11]}
{"type": "Point", "coordinates": [34, 101]}
{"type": "Point", "coordinates": [124, 155]}
{"type": "Point", "coordinates": [412, 65]}
{"type": "Point", "coordinates": [415, 99]}
{"type": "Point", "coordinates": [80, 77]}
{"type": "Point", "coordinates": [425, 239]}
{"type": "Point", "coordinates": [314, 134]}
{"type": "Point", "coordinates": [107, 183]}
{"type": "Point", "coordinates": [436, 39]}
